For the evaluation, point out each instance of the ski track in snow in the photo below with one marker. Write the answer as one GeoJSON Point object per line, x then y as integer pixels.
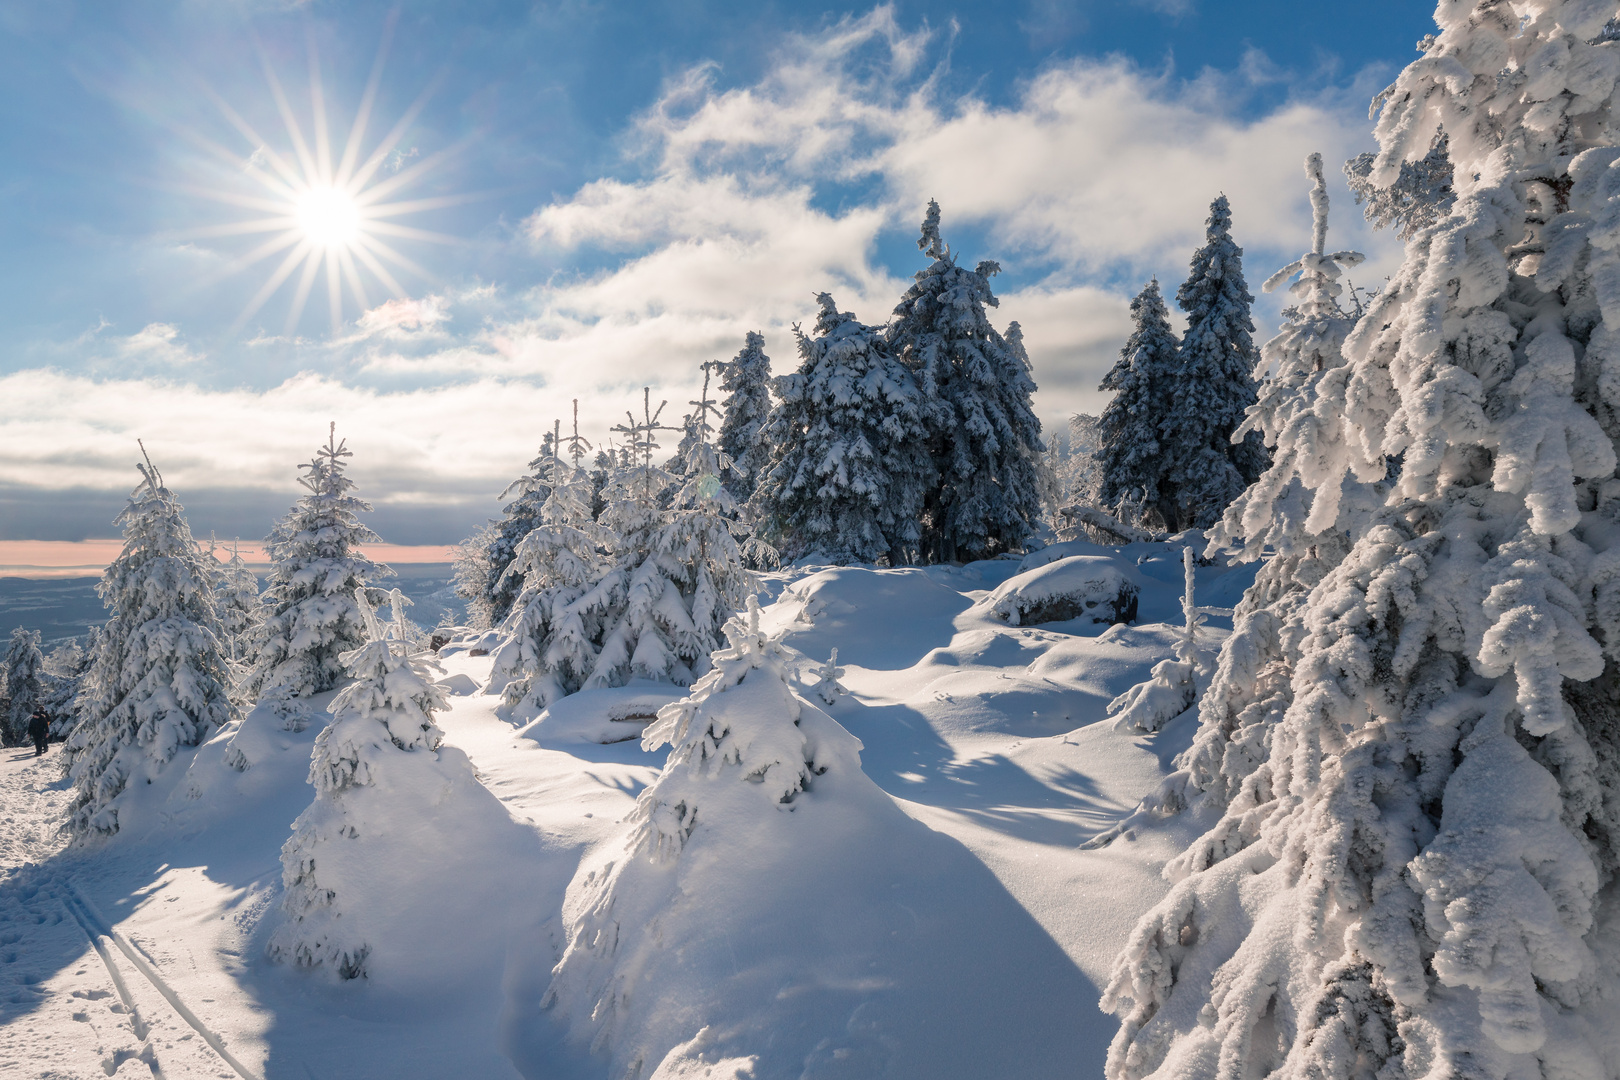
{"type": "Point", "coordinates": [76, 998]}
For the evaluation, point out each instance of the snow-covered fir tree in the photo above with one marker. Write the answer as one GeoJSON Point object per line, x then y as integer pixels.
{"type": "Point", "coordinates": [851, 467]}
{"type": "Point", "coordinates": [1131, 459]}
{"type": "Point", "coordinates": [65, 666]}
{"type": "Point", "coordinates": [310, 618]}
{"type": "Point", "coordinates": [1423, 882]}
{"type": "Point", "coordinates": [481, 578]}
{"type": "Point", "coordinates": [1214, 384]}
{"type": "Point", "coordinates": [160, 680]}
{"type": "Point", "coordinates": [24, 683]}
{"type": "Point", "coordinates": [747, 384]}
{"type": "Point", "coordinates": [738, 752]}
{"type": "Point", "coordinates": [983, 436]}
{"type": "Point", "coordinates": [675, 575]}
{"type": "Point", "coordinates": [552, 643]}
{"type": "Point", "coordinates": [386, 711]}
{"type": "Point", "coordinates": [239, 607]}
{"type": "Point", "coordinates": [1303, 511]}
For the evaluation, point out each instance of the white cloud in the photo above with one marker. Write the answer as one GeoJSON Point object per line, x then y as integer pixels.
{"type": "Point", "coordinates": [156, 343]}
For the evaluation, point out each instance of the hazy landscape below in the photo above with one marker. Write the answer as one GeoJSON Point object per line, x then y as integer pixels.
{"type": "Point", "coordinates": [64, 607]}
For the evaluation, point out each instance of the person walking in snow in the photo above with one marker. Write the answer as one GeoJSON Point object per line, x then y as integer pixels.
{"type": "Point", "coordinates": [39, 726]}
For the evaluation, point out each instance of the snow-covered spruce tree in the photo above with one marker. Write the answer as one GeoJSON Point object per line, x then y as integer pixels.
{"type": "Point", "coordinates": [65, 666]}
{"type": "Point", "coordinates": [1132, 461]}
{"type": "Point", "coordinates": [1214, 384]}
{"type": "Point", "coordinates": [239, 607]}
{"type": "Point", "coordinates": [1430, 886]}
{"type": "Point", "coordinates": [160, 679]}
{"type": "Point", "coordinates": [386, 711]}
{"type": "Point", "coordinates": [983, 436]}
{"type": "Point", "coordinates": [1303, 511]}
{"type": "Point", "coordinates": [851, 467]}
{"type": "Point", "coordinates": [25, 690]}
{"type": "Point", "coordinates": [737, 753]}
{"type": "Point", "coordinates": [1420, 195]}
{"type": "Point", "coordinates": [310, 618]}
{"type": "Point", "coordinates": [551, 644]}
{"type": "Point", "coordinates": [675, 574]}
{"type": "Point", "coordinates": [482, 580]}
{"type": "Point", "coordinates": [747, 383]}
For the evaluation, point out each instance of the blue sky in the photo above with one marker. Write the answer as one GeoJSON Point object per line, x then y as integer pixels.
{"type": "Point", "coordinates": [625, 190]}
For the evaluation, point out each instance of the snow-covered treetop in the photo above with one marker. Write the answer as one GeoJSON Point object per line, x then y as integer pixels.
{"type": "Point", "coordinates": [391, 700]}
{"type": "Point", "coordinates": [1318, 287]}
{"type": "Point", "coordinates": [739, 723]}
{"type": "Point", "coordinates": [1509, 85]}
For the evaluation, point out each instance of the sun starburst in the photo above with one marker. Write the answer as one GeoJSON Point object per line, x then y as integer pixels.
{"type": "Point", "coordinates": [330, 217]}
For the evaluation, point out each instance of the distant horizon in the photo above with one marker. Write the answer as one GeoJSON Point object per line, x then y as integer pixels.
{"type": "Point", "coordinates": [41, 559]}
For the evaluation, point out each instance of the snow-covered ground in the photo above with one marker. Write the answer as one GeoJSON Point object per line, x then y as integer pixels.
{"type": "Point", "coordinates": [950, 927]}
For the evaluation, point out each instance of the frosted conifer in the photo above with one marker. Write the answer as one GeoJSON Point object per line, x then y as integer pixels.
{"type": "Point", "coordinates": [747, 382]}
{"type": "Point", "coordinates": [239, 607]}
{"type": "Point", "coordinates": [1214, 385]}
{"type": "Point", "coordinates": [851, 469]}
{"type": "Point", "coordinates": [387, 710]}
{"type": "Point", "coordinates": [310, 615]}
{"type": "Point", "coordinates": [983, 435]}
{"type": "Point", "coordinates": [1422, 885]}
{"type": "Point", "coordinates": [1303, 511]}
{"type": "Point", "coordinates": [676, 574]}
{"type": "Point", "coordinates": [552, 644]}
{"type": "Point", "coordinates": [737, 752]}
{"type": "Point", "coordinates": [1420, 196]}
{"type": "Point", "coordinates": [24, 683]}
{"type": "Point", "coordinates": [1131, 459]}
{"type": "Point", "coordinates": [482, 580]}
{"type": "Point", "coordinates": [160, 680]}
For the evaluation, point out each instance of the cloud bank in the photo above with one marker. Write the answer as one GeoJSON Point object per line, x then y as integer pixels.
{"type": "Point", "coordinates": [734, 206]}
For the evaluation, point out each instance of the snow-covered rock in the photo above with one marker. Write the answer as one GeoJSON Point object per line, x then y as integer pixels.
{"type": "Point", "coordinates": [609, 715]}
{"type": "Point", "coordinates": [1095, 587]}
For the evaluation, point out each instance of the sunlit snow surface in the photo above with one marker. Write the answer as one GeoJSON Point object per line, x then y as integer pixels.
{"type": "Point", "coordinates": [944, 923]}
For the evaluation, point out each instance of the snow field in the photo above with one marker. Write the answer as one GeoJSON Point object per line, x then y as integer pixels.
{"type": "Point", "coordinates": [928, 913]}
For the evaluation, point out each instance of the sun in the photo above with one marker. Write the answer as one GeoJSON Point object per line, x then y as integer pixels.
{"type": "Point", "coordinates": [330, 211]}
{"type": "Point", "coordinates": [329, 217]}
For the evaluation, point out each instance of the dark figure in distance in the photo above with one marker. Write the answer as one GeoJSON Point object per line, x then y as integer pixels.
{"type": "Point", "coordinates": [39, 726]}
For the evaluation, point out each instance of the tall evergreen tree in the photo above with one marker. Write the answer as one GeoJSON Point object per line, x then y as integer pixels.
{"type": "Point", "coordinates": [1419, 880]}
{"type": "Point", "coordinates": [239, 607]}
{"type": "Point", "coordinates": [1132, 459]}
{"type": "Point", "coordinates": [387, 710]}
{"type": "Point", "coordinates": [984, 437]}
{"type": "Point", "coordinates": [160, 680]}
{"type": "Point", "coordinates": [1214, 385]}
{"type": "Point", "coordinates": [310, 615]}
{"type": "Point", "coordinates": [24, 683]}
{"type": "Point", "coordinates": [743, 431]}
{"type": "Point", "coordinates": [553, 641]}
{"type": "Point", "coordinates": [851, 469]}
{"type": "Point", "coordinates": [481, 577]}
{"type": "Point", "coordinates": [675, 574]}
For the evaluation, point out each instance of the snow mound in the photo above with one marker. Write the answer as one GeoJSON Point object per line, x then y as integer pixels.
{"type": "Point", "coordinates": [611, 715]}
{"type": "Point", "coordinates": [887, 618]}
{"type": "Point", "coordinates": [459, 684]}
{"type": "Point", "coordinates": [1094, 588]}
{"type": "Point", "coordinates": [771, 908]}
